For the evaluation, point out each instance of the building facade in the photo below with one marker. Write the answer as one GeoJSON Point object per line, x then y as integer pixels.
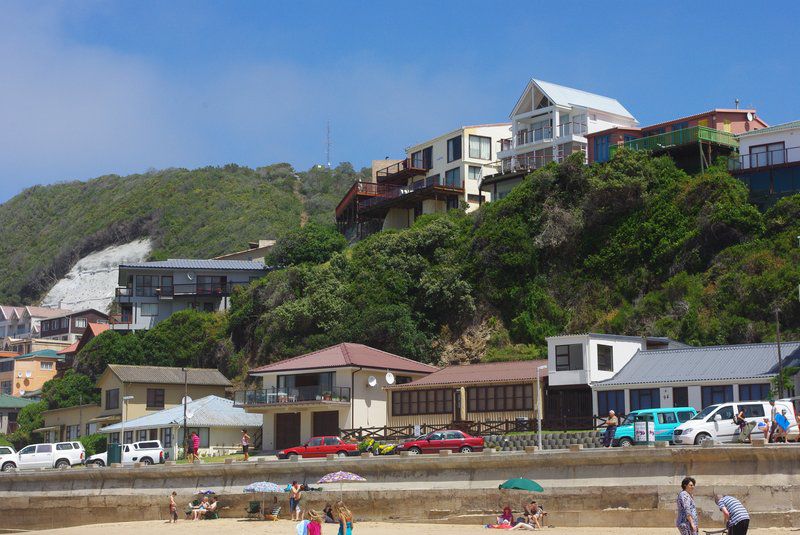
{"type": "Point", "coordinates": [9, 409]}
{"type": "Point", "coordinates": [20, 324]}
{"type": "Point", "coordinates": [549, 123]}
{"type": "Point", "coordinates": [150, 292]}
{"type": "Point", "coordinates": [70, 423]}
{"type": "Point", "coordinates": [28, 372]}
{"type": "Point", "coordinates": [256, 252]}
{"type": "Point", "coordinates": [70, 326]}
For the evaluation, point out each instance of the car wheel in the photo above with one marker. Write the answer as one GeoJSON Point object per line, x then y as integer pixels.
{"type": "Point", "coordinates": [466, 449]}
{"type": "Point", "coordinates": [9, 467]}
{"type": "Point", "coordinates": [702, 437]}
{"type": "Point", "coordinates": [291, 455]}
{"type": "Point", "coordinates": [414, 451]}
{"type": "Point", "coordinates": [146, 460]}
{"type": "Point", "coordinates": [624, 442]}
{"type": "Point", "coordinates": [99, 462]}
{"type": "Point", "coordinates": [341, 454]}
{"type": "Point", "coordinates": [62, 463]}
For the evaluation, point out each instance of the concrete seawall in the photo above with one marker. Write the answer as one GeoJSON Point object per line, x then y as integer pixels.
{"type": "Point", "coordinates": [631, 486]}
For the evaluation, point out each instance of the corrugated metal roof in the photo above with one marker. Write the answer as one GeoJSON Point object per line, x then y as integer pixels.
{"type": "Point", "coordinates": [569, 96]}
{"type": "Point", "coordinates": [347, 354]}
{"type": "Point", "coordinates": [711, 363]}
{"type": "Point", "coordinates": [486, 372]}
{"type": "Point", "coordinates": [167, 375]}
{"type": "Point", "coordinates": [190, 263]}
{"type": "Point", "coordinates": [44, 312]}
{"type": "Point", "coordinates": [210, 411]}
{"type": "Point", "coordinates": [771, 129]}
{"type": "Point", "coordinates": [13, 402]}
{"type": "Point", "coordinates": [42, 353]}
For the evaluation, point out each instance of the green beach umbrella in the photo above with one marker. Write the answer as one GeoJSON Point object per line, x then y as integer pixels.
{"type": "Point", "coordinates": [521, 483]}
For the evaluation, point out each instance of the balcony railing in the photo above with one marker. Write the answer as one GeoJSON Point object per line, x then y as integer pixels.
{"type": "Point", "coordinates": [120, 321]}
{"type": "Point", "coordinates": [394, 192]}
{"type": "Point", "coordinates": [125, 294]}
{"type": "Point", "coordinates": [525, 163]}
{"type": "Point", "coordinates": [534, 135]}
{"type": "Point", "coordinates": [300, 394]}
{"type": "Point", "coordinates": [402, 169]}
{"type": "Point", "coordinates": [572, 129]}
{"type": "Point", "coordinates": [359, 188]}
{"type": "Point", "coordinates": [764, 160]}
{"type": "Point", "coordinates": [680, 137]}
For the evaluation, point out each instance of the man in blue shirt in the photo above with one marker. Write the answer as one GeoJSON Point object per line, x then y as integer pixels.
{"type": "Point", "coordinates": [736, 518]}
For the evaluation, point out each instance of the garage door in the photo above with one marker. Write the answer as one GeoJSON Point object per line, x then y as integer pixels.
{"type": "Point", "coordinates": [326, 423]}
{"type": "Point", "coordinates": [287, 430]}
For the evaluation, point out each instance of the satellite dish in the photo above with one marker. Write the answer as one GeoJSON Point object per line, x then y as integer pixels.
{"type": "Point", "coordinates": [189, 413]}
{"type": "Point", "coordinates": [19, 374]}
{"type": "Point", "coordinates": [186, 400]}
{"type": "Point", "coordinates": [21, 392]}
{"type": "Point", "coordinates": [372, 381]}
{"type": "Point", "coordinates": [389, 378]}
{"type": "Point", "coordinates": [27, 374]}
{"type": "Point", "coordinates": [749, 115]}
{"type": "Point", "coordinates": [190, 276]}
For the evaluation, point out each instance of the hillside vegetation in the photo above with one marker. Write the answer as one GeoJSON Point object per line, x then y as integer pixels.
{"type": "Point", "coordinates": [197, 213]}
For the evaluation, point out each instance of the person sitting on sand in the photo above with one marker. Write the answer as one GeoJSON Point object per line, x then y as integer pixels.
{"type": "Point", "coordinates": [506, 517]}
{"type": "Point", "coordinates": [200, 509]}
{"type": "Point", "coordinates": [533, 514]}
{"type": "Point", "coordinates": [327, 512]}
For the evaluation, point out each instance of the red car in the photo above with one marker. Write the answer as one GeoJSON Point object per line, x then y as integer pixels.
{"type": "Point", "coordinates": [443, 440]}
{"type": "Point", "coordinates": [320, 447]}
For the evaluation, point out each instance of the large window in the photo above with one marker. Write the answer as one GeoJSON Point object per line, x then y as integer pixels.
{"type": "Point", "coordinates": [480, 147]}
{"type": "Point", "coordinates": [46, 366]}
{"type": "Point", "coordinates": [7, 365]}
{"type": "Point", "coordinates": [413, 402]}
{"type": "Point", "coordinates": [680, 396]}
{"type": "Point", "coordinates": [645, 398]}
{"type": "Point", "coordinates": [454, 149]}
{"type": "Point", "coordinates": [155, 398]}
{"type": "Point", "coordinates": [80, 323]}
{"type": "Point", "coordinates": [148, 309]}
{"type": "Point", "coordinates": [763, 155]}
{"type": "Point", "coordinates": [5, 387]}
{"type": "Point", "coordinates": [605, 358]}
{"type": "Point", "coordinates": [422, 159]}
{"type": "Point", "coordinates": [474, 172]}
{"type": "Point", "coordinates": [610, 400]}
{"type": "Point", "coordinates": [453, 177]}
{"type": "Point", "coordinates": [601, 151]}
{"type": "Point", "coordinates": [146, 285]}
{"type": "Point", "coordinates": [569, 357]}
{"type": "Point", "coordinates": [757, 392]}
{"type": "Point", "coordinates": [112, 399]}
{"type": "Point", "coordinates": [500, 398]}
{"type": "Point", "coordinates": [717, 394]}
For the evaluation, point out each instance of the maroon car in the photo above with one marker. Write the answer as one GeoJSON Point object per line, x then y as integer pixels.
{"type": "Point", "coordinates": [443, 440]}
{"type": "Point", "coordinates": [320, 447]}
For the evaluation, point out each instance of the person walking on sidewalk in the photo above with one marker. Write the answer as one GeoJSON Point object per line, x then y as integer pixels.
{"type": "Point", "coordinates": [246, 444]}
{"type": "Point", "coordinates": [737, 520]}
{"type": "Point", "coordinates": [611, 429]}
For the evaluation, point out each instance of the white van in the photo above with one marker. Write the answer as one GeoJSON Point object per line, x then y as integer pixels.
{"type": "Point", "coordinates": [715, 422]}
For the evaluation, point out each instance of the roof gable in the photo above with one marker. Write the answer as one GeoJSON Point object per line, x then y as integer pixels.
{"type": "Point", "coordinates": [568, 96]}
{"type": "Point", "coordinates": [518, 371]}
{"type": "Point", "coordinates": [210, 411]}
{"type": "Point", "coordinates": [166, 375]}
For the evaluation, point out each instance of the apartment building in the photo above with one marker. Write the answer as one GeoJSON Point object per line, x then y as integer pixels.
{"type": "Point", "coordinates": [549, 123]}
{"type": "Point", "coordinates": [150, 292]}
{"type": "Point", "coordinates": [22, 323]}
{"type": "Point", "coordinates": [70, 326]}
{"type": "Point", "coordinates": [437, 175]}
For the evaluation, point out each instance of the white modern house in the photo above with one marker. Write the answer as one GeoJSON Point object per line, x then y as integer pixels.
{"type": "Point", "coordinates": [549, 123]}
{"type": "Point", "coordinates": [150, 292]}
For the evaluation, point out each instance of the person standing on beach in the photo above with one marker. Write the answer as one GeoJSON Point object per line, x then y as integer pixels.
{"type": "Point", "coordinates": [737, 520]}
{"type": "Point", "coordinates": [195, 446]}
{"type": "Point", "coordinates": [294, 502]}
{"type": "Point", "coordinates": [173, 508]}
{"type": "Point", "coordinates": [686, 521]}
{"type": "Point", "coordinates": [314, 527]}
{"type": "Point", "coordinates": [611, 429]}
{"type": "Point", "coordinates": [246, 444]}
{"type": "Point", "coordinates": [345, 518]}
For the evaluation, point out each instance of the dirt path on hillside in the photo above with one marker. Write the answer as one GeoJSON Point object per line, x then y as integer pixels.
{"type": "Point", "coordinates": [302, 199]}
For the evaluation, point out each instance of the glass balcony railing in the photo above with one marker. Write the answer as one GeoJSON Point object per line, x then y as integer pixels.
{"type": "Point", "coordinates": [281, 395]}
{"type": "Point", "coordinates": [763, 160]}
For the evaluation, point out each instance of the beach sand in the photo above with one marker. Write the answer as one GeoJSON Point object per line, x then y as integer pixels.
{"type": "Point", "coordinates": [238, 526]}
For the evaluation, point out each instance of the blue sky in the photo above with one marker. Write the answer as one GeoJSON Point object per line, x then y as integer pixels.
{"type": "Point", "coordinates": [96, 87]}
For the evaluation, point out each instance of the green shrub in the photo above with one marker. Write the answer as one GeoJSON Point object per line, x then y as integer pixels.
{"type": "Point", "coordinates": [96, 443]}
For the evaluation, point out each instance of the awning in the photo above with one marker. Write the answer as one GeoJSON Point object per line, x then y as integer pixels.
{"type": "Point", "coordinates": [105, 419]}
{"type": "Point", "coordinates": [43, 429]}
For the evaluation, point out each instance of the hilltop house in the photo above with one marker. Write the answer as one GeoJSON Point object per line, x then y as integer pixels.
{"type": "Point", "coordinates": [9, 408]}
{"type": "Point", "coordinates": [20, 325]}
{"type": "Point", "coordinates": [150, 292]}
{"type": "Point", "coordinates": [324, 391]}
{"type": "Point", "coordinates": [548, 123]}
{"type": "Point", "coordinates": [435, 176]}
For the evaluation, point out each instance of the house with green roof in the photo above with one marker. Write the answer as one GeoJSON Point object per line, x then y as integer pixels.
{"type": "Point", "coordinates": [9, 408]}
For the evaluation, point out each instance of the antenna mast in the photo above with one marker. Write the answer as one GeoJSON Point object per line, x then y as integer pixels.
{"type": "Point", "coordinates": [328, 143]}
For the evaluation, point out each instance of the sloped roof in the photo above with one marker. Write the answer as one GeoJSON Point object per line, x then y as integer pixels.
{"type": "Point", "coordinates": [704, 114]}
{"type": "Point", "coordinates": [486, 372]}
{"type": "Point", "coordinates": [568, 96]}
{"type": "Point", "coordinates": [42, 353]}
{"type": "Point", "coordinates": [72, 348]}
{"type": "Point", "coordinates": [210, 411]}
{"type": "Point", "coordinates": [347, 354]}
{"type": "Point", "coordinates": [13, 402]}
{"type": "Point", "coordinates": [190, 263]}
{"type": "Point", "coordinates": [10, 311]}
{"type": "Point", "coordinates": [168, 375]}
{"type": "Point", "coordinates": [771, 129]}
{"type": "Point", "coordinates": [44, 312]}
{"type": "Point", "coordinates": [710, 363]}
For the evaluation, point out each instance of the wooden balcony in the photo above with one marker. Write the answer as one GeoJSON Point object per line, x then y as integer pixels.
{"type": "Point", "coordinates": [400, 172]}
{"type": "Point", "coordinates": [678, 138]}
{"type": "Point", "coordinates": [762, 161]}
{"type": "Point", "coordinates": [358, 191]}
{"type": "Point", "coordinates": [409, 196]}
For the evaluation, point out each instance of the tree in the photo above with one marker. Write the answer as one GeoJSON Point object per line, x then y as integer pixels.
{"type": "Point", "coordinates": [312, 243]}
{"type": "Point", "coordinates": [70, 390]}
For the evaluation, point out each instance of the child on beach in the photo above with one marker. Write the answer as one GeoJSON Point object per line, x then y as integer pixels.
{"type": "Point", "coordinates": [173, 508]}
{"type": "Point", "coordinates": [314, 527]}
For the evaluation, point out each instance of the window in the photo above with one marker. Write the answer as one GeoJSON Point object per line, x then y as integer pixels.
{"type": "Point", "coordinates": [480, 147]}
{"type": "Point", "coordinates": [476, 198]}
{"type": "Point", "coordinates": [628, 137]}
{"type": "Point", "coordinates": [474, 172]}
{"type": "Point", "coordinates": [680, 396]}
{"type": "Point", "coordinates": [453, 177]}
{"type": "Point", "coordinates": [5, 387]}
{"type": "Point", "coordinates": [755, 392]}
{"type": "Point", "coordinates": [413, 402]}
{"type": "Point", "coordinates": [454, 435]}
{"type": "Point", "coordinates": [146, 285]}
{"type": "Point", "coordinates": [141, 434]}
{"type": "Point", "coordinates": [402, 379]}
{"type": "Point", "coordinates": [155, 398]}
{"type": "Point", "coordinates": [752, 410]}
{"type": "Point", "coordinates": [717, 394]}
{"type": "Point", "coordinates": [148, 309]}
{"type": "Point", "coordinates": [45, 448]}
{"type": "Point", "coordinates": [113, 438]}
{"type": "Point", "coordinates": [454, 149]}
{"type": "Point", "coordinates": [680, 126]}
{"type": "Point", "coordinates": [144, 445]}
{"type": "Point", "coordinates": [763, 155]}
{"type": "Point", "coordinates": [46, 365]}
{"type": "Point", "coordinates": [645, 398]}
{"type": "Point", "coordinates": [211, 285]}
{"type": "Point", "coordinates": [610, 400]}
{"type": "Point", "coordinates": [605, 358]}
{"type": "Point", "coordinates": [112, 398]}
{"type": "Point", "coordinates": [331, 441]}
{"type": "Point", "coordinates": [5, 451]}
{"type": "Point", "coordinates": [569, 357]}
{"type": "Point", "coordinates": [315, 441]}
{"type": "Point", "coordinates": [80, 323]}
{"type": "Point", "coordinates": [726, 413]}
{"type": "Point", "coordinates": [500, 398]}
{"type": "Point", "coordinates": [601, 148]}
{"type": "Point", "coordinates": [91, 429]}
{"type": "Point", "coordinates": [685, 416]}
{"type": "Point", "coordinates": [128, 437]}
{"type": "Point", "coordinates": [7, 365]}
{"type": "Point", "coordinates": [65, 323]}
{"type": "Point", "coordinates": [167, 287]}
{"type": "Point", "coordinates": [667, 418]}
{"type": "Point", "coordinates": [27, 449]}
{"type": "Point", "coordinates": [422, 159]}
{"type": "Point", "coordinates": [166, 437]}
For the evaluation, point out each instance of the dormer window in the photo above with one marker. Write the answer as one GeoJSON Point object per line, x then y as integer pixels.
{"type": "Point", "coordinates": [569, 357]}
{"type": "Point", "coordinates": [605, 358]}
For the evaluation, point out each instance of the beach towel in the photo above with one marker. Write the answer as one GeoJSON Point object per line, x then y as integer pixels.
{"type": "Point", "coordinates": [302, 527]}
{"type": "Point", "coordinates": [781, 420]}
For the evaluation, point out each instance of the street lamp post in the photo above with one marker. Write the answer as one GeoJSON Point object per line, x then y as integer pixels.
{"type": "Point", "coordinates": [185, 402]}
{"type": "Point", "coordinates": [125, 400]}
{"type": "Point", "coordinates": [780, 360]}
{"type": "Point", "coordinates": [539, 405]}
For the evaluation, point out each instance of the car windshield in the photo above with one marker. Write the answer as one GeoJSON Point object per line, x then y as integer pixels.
{"type": "Point", "coordinates": [705, 412]}
{"type": "Point", "coordinates": [628, 420]}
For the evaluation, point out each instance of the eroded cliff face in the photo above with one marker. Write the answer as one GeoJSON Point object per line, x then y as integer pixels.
{"type": "Point", "coordinates": [92, 280]}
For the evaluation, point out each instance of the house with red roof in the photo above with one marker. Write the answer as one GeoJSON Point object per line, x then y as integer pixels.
{"type": "Point", "coordinates": [319, 393]}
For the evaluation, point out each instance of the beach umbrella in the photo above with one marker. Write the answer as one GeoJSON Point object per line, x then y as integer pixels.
{"type": "Point", "coordinates": [263, 486]}
{"type": "Point", "coordinates": [341, 478]}
{"type": "Point", "coordinates": [521, 483]}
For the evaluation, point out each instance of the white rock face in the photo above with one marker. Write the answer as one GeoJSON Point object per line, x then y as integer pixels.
{"type": "Point", "coordinates": [92, 280]}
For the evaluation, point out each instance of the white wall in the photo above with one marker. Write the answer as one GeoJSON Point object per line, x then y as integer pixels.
{"type": "Point", "coordinates": [790, 138]}
{"type": "Point", "coordinates": [622, 351]}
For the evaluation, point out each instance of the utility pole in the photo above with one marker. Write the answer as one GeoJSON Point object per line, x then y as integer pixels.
{"type": "Point", "coordinates": [780, 360]}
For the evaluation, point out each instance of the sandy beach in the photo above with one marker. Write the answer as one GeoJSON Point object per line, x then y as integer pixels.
{"type": "Point", "coordinates": [238, 526]}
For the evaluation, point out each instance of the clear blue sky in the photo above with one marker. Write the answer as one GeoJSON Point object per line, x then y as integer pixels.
{"type": "Point", "coordinates": [96, 87]}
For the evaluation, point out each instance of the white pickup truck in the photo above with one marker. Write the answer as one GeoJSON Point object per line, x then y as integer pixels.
{"type": "Point", "coordinates": [145, 452]}
{"type": "Point", "coordinates": [8, 458]}
{"type": "Point", "coordinates": [54, 455]}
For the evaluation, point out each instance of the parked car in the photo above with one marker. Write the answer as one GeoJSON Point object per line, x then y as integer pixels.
{"type": "Point", "coordinates": [320, 447]}
{"type": "Point", "coordinates": [51, 455]}
{"type": "Point", "coordinates": [715, 422]}
{"type": "Point", "coordinates": [665, 421]}
{"type": "Point", "coordinates": [448, 439]}
{"type": "Point", "coordinates": [145, 452]}
{"type": "Point", "coordinates": [8, 458]}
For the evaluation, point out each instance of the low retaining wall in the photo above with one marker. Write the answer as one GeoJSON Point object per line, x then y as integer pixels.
{"type": "Point", "coordinates": [629, 486]}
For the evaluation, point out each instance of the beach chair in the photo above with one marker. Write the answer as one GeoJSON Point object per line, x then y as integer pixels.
{"type": "Point", "coordinates": [253, 510]}
{"type": "Point", "coordinates": [190, 508]}
{"type": "Point", "coordinates": [273, 514]}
